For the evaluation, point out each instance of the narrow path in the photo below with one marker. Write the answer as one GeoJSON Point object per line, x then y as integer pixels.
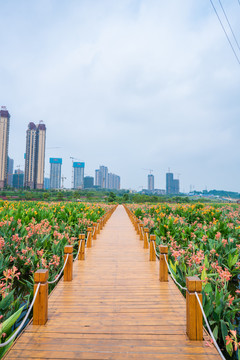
{"type": "Point", "coordinates": [115, 308]}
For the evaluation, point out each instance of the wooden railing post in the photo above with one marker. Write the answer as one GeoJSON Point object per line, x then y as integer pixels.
{"type": "Point", "coordinates": [40, 307]}
{"type": "Point", "coordinates": [145, 238]}
{"type": "Point", "coordinates": [89, 237]}
{"type": "Point", "coordinates": [152, 255]}
{"type": "Point", "coordinates": [95, 232]}
{"type": "Point", "coordinates": [68, 270]}
{"type": "Point", "coordinates": [98, 226]}
{"type": "Point", "coordinates": [141, 231]}
{"type": "Point", "coordinates": [81, 255]}
{"type": "Point", "coordinates": [194, 313]}
{"type": "Point", "coordinates": [163, 269]}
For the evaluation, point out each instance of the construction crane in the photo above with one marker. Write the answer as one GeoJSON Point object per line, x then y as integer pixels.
{"type": "Point", "coordinates": [63, 178]}
{"type": "Point", "coordinates": [150, 170]}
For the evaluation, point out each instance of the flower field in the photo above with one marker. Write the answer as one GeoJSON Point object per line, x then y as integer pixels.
{"type": "Point", "coordinates": [32, 236]}
{"type": "Point", "coordinates": [204, 241]}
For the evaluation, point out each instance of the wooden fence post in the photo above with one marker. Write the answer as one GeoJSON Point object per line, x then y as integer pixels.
{"type": "Point", "coordinates": [40, 307]}
{"type": "Point", "coordinates": [68, 270]}
{"type": "Point", "coordinates": [81, 255]}
{"type": "Point", "coordinates": [152, 255]}
{"type": "Point", "coordinates": [163, 269]}
{"type": "Point", "coordinates": [95, 231]}
{"type": "Point", "coordinates": [98, 226]}
{"type": "Point", "coordinates": [145, 238]}
{"type": "Point", "coordinates": [89, 237]}
{"type": "Point", "coordinates": [194, 313]}
{"type": "Point", "coordinates": [141, 231]}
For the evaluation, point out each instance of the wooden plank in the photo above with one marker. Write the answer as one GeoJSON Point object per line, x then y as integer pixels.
{"type": "Point", "coordinates": [114, 308]}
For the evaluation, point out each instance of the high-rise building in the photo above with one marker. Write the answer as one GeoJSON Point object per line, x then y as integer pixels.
{"type": "Point", "coordinates": [30, 156]}
{"type": "Point", "coordinates": [104, 177]}
{"type": "Point", "coordinates": [150, 182]}
{"type": "Point", "coordinates": [40, 156]}
{"type": "Point", "coordinates": [55, 173]}
{"type": "Point", "coordinates": [97, 178]}
{"type": "Point", "coordinates": [10, 171]}
{"type": "Point", "coordinates": [88, 182]}
{"type": "Point", "coordinates": [18, 178]}
{"type": "Point", "coordinates": [35, 156]}
{"type": "Point", "coordinates": [4, 139]}
{"type": "Point", "coordinates": [46, 183]}
{"type": "Point", "coordinates": [113, 181]}
{"type": "Point", "coordinates": [172, 185]}
{"type": "Point", "coordinates": [78, 178]}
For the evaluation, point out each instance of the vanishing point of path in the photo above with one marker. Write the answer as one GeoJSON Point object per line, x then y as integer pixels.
{"type": "Point", "coordinates": [115, 308]}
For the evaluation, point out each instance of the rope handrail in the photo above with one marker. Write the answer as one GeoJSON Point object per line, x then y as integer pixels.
{"type": "Point", "coordinates": [58, 276]}
{"type": "Point", "coordinates": [79, 248]}
{"type": "Point", "coordinates": [24, 320]}
{"type": "Point", "coordinates": [208, 326]}
{"type": "Point", "coordinates": [154, 245]}
{"type": "Point", "coordinates": [172, 276]}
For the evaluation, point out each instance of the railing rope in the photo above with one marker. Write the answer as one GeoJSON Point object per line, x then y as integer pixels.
{"type": "Point", "coordinates": [172, 276]}
{"type": "Point", "coordinates": [208, 326]}
{"type": "Point", "coordinates": [58, 276]}
{"type": "Point", "coordinates": [24, 319]}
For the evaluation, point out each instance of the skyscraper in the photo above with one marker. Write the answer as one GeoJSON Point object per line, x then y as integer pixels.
{"type": "Point", "coordinates": [97, 178]}
{"type": "Point", "coordinates": [150, 182]}
{"type": "Point", "coordinates": [10, 171]}
{"type": "Point", "coordinates": [4, 139]}
{"type": "Point", "coordinates": [35, 156]}
{"type": "Point", "coordinates": [113, 181]}
{"type": "Point", "coordinates": [172, 185]}
{"type": "Point", "coordinates": [55, 173]}
{"type": "Point", "coordinates": [104, 177]}
{"type": "Point", "coordinates": [40, 156]}
{"type": "Point", "coordinates": [18, 178]}
{"type": "Point", "coordinates": [78, 179]}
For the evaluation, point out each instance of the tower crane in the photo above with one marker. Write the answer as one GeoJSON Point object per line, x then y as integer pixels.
{"type": "Point", "coordinates": [150, 170]}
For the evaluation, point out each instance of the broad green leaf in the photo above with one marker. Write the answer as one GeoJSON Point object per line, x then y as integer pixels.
{"type": "Point", "coordinates": [7, 324]}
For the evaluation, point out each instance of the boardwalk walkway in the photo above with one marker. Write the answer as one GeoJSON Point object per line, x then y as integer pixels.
{"type": "Point", "coordinates": [115, 308]}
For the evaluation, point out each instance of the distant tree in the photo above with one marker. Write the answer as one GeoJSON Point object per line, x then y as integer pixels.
{"type": "Point", "coordinates": [112, 197]}
{"type": "Point", "coordinates": [125, 197]}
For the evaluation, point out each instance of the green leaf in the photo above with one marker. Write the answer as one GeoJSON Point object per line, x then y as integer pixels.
{"type": "Point", "coordinates": [224, 331]}
{"type": "Point", "coordinates": [5, 303]}
{"type": "Point", "coordinates": [215, 332]}
{"type": "Point", "coordinates": [7, 324]}
{"type": "Point", "coordinates": [4, 349]}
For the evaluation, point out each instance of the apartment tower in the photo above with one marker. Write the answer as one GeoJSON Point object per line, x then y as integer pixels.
{"type": "Point", "coordinates": [150, 182]}
{"type": "Point", "coordinates": [35, 156]}
{"type": "Point", "coordinates": [78, 180]}
{"type": "Point", "coordinates": [4, 139]}
{"type": "Point", "coordinates": [40, 156]}
{"type": "Point", "coordinates": [55, 173]}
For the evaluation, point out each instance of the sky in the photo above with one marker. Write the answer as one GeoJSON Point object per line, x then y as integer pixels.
{"type": "Point", "coordinates": [132, 84]}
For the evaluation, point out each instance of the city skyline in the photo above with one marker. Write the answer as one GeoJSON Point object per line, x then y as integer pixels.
{"type": "Point", "coordinates": [141, 85]}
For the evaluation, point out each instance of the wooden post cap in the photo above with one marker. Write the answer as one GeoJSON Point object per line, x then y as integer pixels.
{"type": "Point", "coordinates": [89, 229]}
{"type": "Point", "coordinates": [82, 236]}
{"type": "Point", "coordinates": [146, 230]}
{"type": "Point", "coordinates": [141, 225]}
{"type": "Point", "coordinates": [98, 220]}
{"type": "Point", "coordinates": [41, 276]}
{"type": "Point", "coordinates": [194, 284]}
{"type": "Point", "coordinates": [163, 249]}
{"type": "Point", "coordinates": [68, 249]}
{"type": "Point", "coordinates": [152, 237]}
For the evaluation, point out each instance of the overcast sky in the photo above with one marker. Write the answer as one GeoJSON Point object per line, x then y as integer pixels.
{"type": "Point", "coordinates": [128, 84]}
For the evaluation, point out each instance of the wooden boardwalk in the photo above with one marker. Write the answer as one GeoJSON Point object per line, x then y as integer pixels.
{"type": "Point", "coordinates": [115, 308]}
